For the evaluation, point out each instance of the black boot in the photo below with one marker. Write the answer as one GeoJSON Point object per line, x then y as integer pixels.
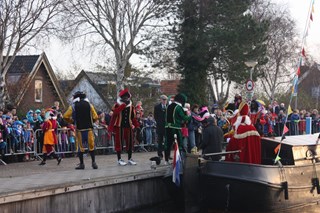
{"type": "Point", "coordinates": [93, 158]}
{"type": "Point", "coordinates": [59, 159]}
{"type": "Point", "coordinates": [94, 165]}
{"type": "Point", "coordinates": [43, 162]}
{"type": "Point", "coordinates": [81, 165]}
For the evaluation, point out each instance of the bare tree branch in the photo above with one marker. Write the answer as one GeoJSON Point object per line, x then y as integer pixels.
{"type": "Point", "coordinates": [20, 23]}
{"type": "Point", "coordinates": [123, 25]}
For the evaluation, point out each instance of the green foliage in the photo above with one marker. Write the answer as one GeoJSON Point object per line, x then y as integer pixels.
{"type": "Point", "coordinates": [235, 37]}
{"type": "Point", "coordinates": [216, 38]}
{"type": "Point", "coordinates": [305, 100]}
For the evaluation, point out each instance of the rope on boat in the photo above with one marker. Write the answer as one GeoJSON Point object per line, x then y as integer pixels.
{"type": "Point", "coordinates": [284, 182]}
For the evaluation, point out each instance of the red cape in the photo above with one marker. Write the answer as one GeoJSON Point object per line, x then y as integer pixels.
{"type": "Point", "coordinates": [246, 139]}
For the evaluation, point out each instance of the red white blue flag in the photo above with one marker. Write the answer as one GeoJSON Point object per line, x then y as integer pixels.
{"type": "Point", "coordinates": [176, 165]}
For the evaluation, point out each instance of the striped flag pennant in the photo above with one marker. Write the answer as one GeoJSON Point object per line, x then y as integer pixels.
{"type": "Point", "coordinates": [285, 129]}
{"type": "Point", "coordinates": [299, 70]}
{"type": "Point", "coordinates": [277, 159]}
{"type": "Point", "coordinates": [176, 165]}
{"type": "Point", "coordinates": [276, 150]}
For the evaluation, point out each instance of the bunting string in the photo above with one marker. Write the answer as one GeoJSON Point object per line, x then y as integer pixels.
{"type": "Point", "coordinates": [294, 89]}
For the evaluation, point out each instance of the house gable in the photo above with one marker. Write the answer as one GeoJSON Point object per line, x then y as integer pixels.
{"type": "Point", "coordinates": [94, 94]}
{"type": "Point", "coordinates": [309, 81]}
{"type": "Point", "coordinates": [34, 70]}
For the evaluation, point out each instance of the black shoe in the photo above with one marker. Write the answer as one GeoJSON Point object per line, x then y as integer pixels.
{"type": "Point", "coordinates": [42, 163]}
{"type": "Point", "coordinates": [80, 166]}
{"type": "Point", "coordinates": [59, 161]}
{"type": "Point", "coordinates": [94, 165]}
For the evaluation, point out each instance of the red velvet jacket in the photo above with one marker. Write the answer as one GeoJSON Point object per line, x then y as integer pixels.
{"type": "Point", "coordinates": [117, 116]}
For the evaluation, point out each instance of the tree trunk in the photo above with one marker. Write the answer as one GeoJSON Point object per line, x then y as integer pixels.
{"type": "Point", "coordinates": [121, 65]}
{"type": "Point", "coordinates": [3, 93]}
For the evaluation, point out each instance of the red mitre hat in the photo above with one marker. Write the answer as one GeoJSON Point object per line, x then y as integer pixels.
{"type": "Point", "coordinates": [243, 108]}
{"type": "Point", "coordinates": [123, 92]}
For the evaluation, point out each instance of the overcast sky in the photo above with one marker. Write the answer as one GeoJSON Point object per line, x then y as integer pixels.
{"type": "Point", "coordinates": [299, 10]}
{"type": "Point", "coordinates": [61, 58]}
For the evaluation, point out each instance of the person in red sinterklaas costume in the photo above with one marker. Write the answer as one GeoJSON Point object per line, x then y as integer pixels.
{"type": "Point", "coordinates": [245, 138]}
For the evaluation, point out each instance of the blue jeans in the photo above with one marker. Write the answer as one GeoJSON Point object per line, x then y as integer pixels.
{"type": "Point", "coordinates": [3, 145]}
{"type": "Point", "coordinates": [192, 139]}
{"type": "Point", "coordinates": [149, 136]}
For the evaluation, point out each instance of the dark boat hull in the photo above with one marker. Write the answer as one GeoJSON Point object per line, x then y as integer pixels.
{"type": "Point", "coordinates": [258, 188]}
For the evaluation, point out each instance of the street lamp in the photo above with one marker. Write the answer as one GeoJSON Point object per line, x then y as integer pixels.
{"type": "Point", "coordinates": [249, 84]}
{"type": "Point", "coordinates": [251, 64]}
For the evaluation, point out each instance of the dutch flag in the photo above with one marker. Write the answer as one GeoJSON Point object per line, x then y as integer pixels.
{"type": "Point", "coordinates": [176, 165]}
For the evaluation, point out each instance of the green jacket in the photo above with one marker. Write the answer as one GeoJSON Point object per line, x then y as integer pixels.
{"type": "Point", "coordinates": [175, 116]}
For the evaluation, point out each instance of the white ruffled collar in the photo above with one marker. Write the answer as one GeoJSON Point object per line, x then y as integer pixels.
{"type": "Point", "coordinates": [78, 99]}
{"type": "Point", "coordinates": [121, 102]}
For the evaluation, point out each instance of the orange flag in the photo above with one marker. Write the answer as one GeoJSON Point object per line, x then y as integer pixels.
{"type": "Point", "coordinates": [277, 148]}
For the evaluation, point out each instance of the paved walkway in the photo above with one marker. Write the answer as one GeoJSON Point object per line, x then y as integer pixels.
{"type": "Point", "coordinates": [24, 176]}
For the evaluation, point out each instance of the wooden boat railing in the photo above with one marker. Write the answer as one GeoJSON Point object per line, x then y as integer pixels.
{"type": "Point", "coordinates": [219, 153]}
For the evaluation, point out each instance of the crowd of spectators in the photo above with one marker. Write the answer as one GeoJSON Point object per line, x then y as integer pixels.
{"type": "Point", "coordinates": [17, 134]}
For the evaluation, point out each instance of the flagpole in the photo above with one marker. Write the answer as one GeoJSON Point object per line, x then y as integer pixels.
{"type": "Point", "coordinates": [295, 79]}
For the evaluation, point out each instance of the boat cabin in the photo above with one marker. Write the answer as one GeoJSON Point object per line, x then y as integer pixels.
{"type": "Point", "coordinates": [295, 150]}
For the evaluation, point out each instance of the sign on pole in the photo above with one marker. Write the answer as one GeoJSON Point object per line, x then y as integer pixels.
{"type": "Point", "coordinates": [249, 85]}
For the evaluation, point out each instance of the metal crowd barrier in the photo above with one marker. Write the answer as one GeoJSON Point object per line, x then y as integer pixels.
{"type": "Point", "coordinates": [140, 140]}
{"type": "Point", "coordinates": [20, 142]}
{"type": "Point", "coordinates": [103, 141]}
{"type": "Point", "coordinates": [296, 128]}
{"type": "Point", "coordinates": [67, 140]}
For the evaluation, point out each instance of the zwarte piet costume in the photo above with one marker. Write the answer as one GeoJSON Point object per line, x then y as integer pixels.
{"type": "Point", "coordinates": [175, 117]}
{"type": "Point", "coordinates": [122, 123]}
{"type": "Point", "coordinates": [49, 129]}
{"type": "Point", "coordinates": [82, 114]}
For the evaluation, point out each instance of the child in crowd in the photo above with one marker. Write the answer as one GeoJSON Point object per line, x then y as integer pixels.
{"type": "Point", "coordinates": [149, 124]}
{"type": "Point", "coordinates": [3, 143]}
{"type": "Point", "coordinates": [50, 137]}
{"type": "Point", "coordinates": [63, 142]}
{"type": "Point", "coordinates": [72, 137]}
{"type": "Point", "coordinates": [28, 136]}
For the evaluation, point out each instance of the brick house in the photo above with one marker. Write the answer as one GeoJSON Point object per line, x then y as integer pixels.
{"type": "Point", "coordinates": [32, 84]}
{"type": "Point", "coordinates": [309, 87]}
{"type": "Point", "coordinates": [169, 87]}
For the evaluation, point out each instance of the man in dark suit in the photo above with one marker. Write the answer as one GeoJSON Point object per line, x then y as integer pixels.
{"type": "Point", "coordinates": [212, 138]}
{"type": "Point", "coordinates": [160, 117]}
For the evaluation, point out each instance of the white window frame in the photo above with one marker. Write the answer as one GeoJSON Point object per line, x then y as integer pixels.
{"type": "Point", "coordinates": [38, 91]}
